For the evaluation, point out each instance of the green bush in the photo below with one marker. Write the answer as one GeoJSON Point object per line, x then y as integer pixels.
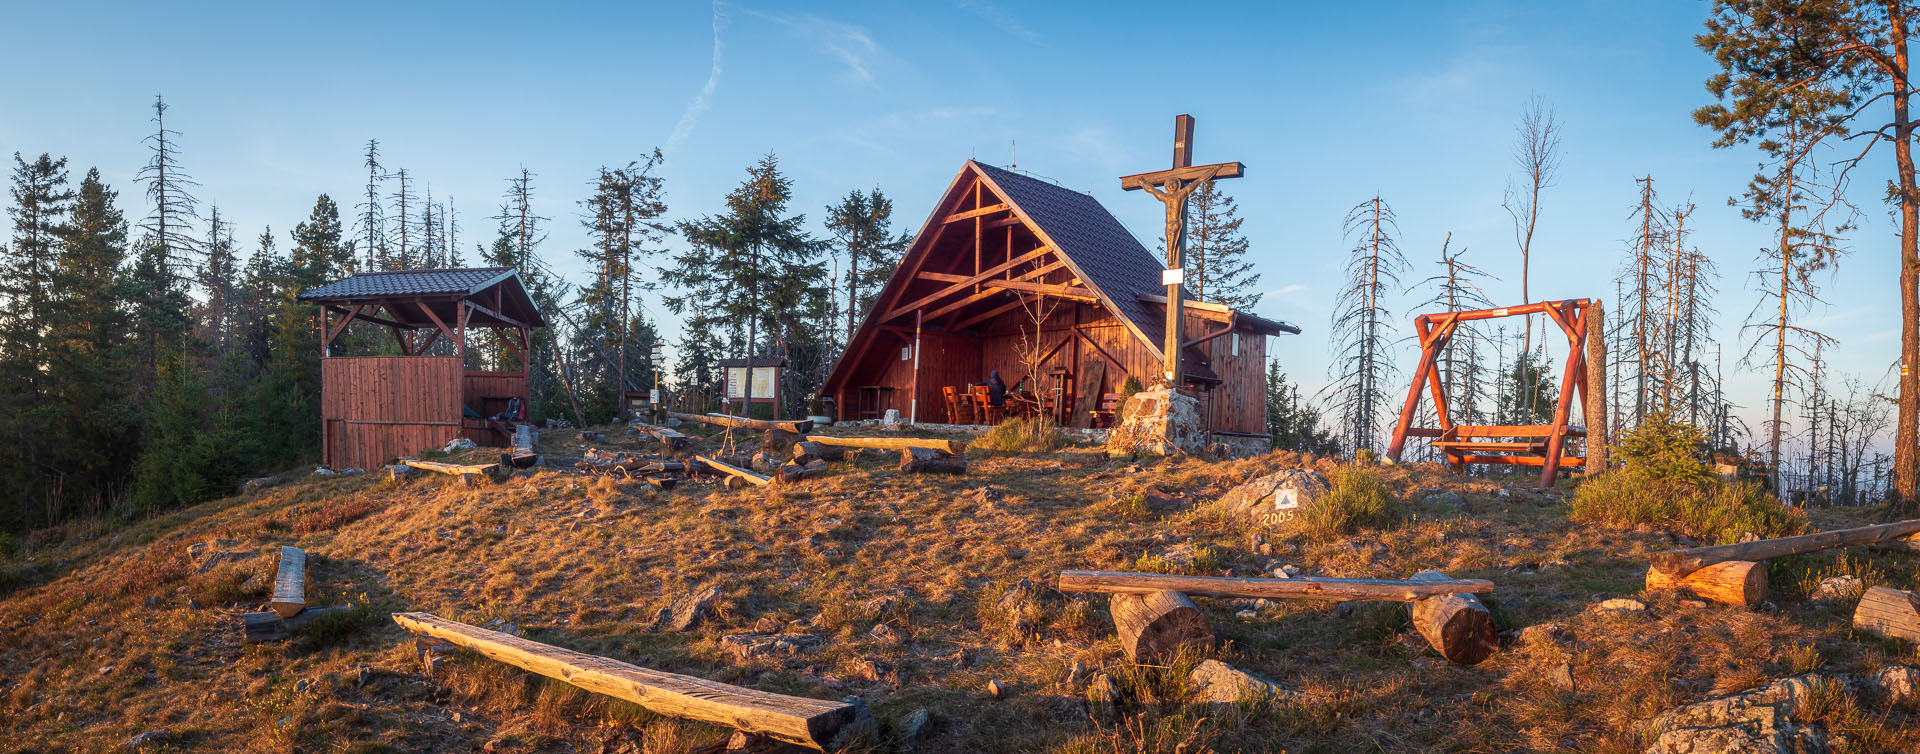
{"type": "Point", "coordinates": [1663, 481]}
{"type": "Point", "coordinates": [1022, 435]}
{"type": "Point", "coordinates": [1358, 498]}
{"type": "Point", "coordinates": [1128, 387]}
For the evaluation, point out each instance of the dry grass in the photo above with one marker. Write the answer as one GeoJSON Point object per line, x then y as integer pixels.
{"type": "Point", "coordinates": [585, 563]}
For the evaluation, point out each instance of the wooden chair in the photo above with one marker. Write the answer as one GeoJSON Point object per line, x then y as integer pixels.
{"type": "Point", "coordinates": [984, 411]}
{"type": "Point", "coordinates": [1103, 411]}
{"type": "Point", "coordinates": [959, 410]}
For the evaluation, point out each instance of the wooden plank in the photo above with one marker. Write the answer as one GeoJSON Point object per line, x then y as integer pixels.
{"type": "Point", "coordinates": [798, 427]}
{"type": "Point", "coordinates": [1678, 563]}
{"type": "Point", "coordinates": [891, 443]}
{"type": "Point", "coordinates": [452, 469]}
{"type": "Point", "coordinates": [290, 585]}
{"type": "Point", "coordinates": [1314, 588]}
{"type": "Point", "coordinates": [1086, 393]}
{"type": "Point", "coordinates": [973, 213]}
{"type": "Point", "coordinates": [672, 438]}
{"type": "Point", "coordinates": [1195, 173]}
{"type": "Point", "coordinates": [733, 470]}
{"type": "Point", "coordinates": [815, 723]}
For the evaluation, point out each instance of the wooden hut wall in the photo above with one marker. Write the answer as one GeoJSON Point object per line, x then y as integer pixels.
{"type": "Point", "coordinates": [376, 408]}
{"type": "Point", "coordinates": [945, 359]}
{"type": "Point", "coordinates": [1239, 402]}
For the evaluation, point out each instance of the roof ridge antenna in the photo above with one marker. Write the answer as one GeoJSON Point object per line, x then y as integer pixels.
{"type": "Point", "coordinates": [1030, 174]}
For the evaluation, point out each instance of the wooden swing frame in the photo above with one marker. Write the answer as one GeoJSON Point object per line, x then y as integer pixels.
{"type": "Point", "coordinates": [1542, 445]}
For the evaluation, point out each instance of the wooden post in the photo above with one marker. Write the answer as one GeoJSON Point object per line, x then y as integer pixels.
{"type": "Point", "coordinates": [1557, 436]}
{"type": "Point", "coordinates": [1156, 626]}
{"type": "Point", "coordinates": [913, 400]}
{"type": "Point", "coordinates": [1595, 399]}
{"type": "Point", "coordinates": [290, 585]}
{"type": "Point", "coordinates": [1175, 276]}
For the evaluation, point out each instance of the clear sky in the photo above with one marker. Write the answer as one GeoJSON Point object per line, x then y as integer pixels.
{"type": "Point", "coordinates": [1326, 105]}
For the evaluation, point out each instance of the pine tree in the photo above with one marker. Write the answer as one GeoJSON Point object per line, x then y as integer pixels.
{"type": "Point", "coordinates": [1362, 336]}
{"type": "Point", "coordinates": [623, 219]}
{"type": "Point", "coordinates": [1294, 424]}
{"type": "Point", "coordinates": [1216, 254]}
{"type": "Point", "coordinates": [91, 388]}
{"type": "Point", "coordinates": [41, 202]}
{"type": "Point", "coordinates": [218, 276]}
{"type": "Point", "coordinates": [862, 223]}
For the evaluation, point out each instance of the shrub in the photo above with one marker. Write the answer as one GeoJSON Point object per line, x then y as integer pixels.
{"type": "Point", "coordinates": [47, 537]}
{"type": "Point", "coordinates": [1357, 498]}
{"type": "Point", "coordinates": [158, 566]}
{"type": "Point", "coordinates": [1128, 387]}
{"type": "Point", "coordinates": [333, 516]}
{"type": "Point", "coordinates": [1663, 481]}
{"type": "Point", "coordinates": [1022, 435]}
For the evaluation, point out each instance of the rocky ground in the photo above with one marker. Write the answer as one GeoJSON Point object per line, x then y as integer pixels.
{"type": "Point", "coordinates": [928, 596]}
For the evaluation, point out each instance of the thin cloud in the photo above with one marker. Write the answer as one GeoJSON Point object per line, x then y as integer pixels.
{"type": "Point", "coordinates": [691, 116]}
{"type": "Point", "coordinates": [999, 18]}
{"type": "Point", "coordinates": [851, 44]}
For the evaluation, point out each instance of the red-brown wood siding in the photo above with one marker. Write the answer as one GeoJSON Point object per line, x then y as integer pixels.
{"type": "Point", "coordinates": [377, 408]}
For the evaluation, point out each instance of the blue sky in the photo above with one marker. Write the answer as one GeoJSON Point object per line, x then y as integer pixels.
{"type": "Point", "coordinates": [1325, 104]}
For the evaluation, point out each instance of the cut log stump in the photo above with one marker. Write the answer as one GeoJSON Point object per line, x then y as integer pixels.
{"type": "Point", "coordinates": [1457, 625]}
{"type": "Point", "coordinates": [267, 625]}
{"type": "Point", "coordinates": [1155, 626]}
{"type": "Point", "coordinates": [808, 450]}
{"type": "Point", "coordinates": [290, 585]}
{"type": "Point", "coordinates": [1890, 613]}
{"type": "Point", "coordinates": [1732, 582]}
{"type": "Point", "coordinates": [929, 460]}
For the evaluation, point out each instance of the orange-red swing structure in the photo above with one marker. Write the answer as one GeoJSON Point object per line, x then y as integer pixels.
{"type": "Point", "coordinates": [1543, 445]}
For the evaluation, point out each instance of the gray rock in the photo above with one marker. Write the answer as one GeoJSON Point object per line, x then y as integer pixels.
{"type": "Point", "coordinates": [748, 646]}
{"type": "Point", "coordinates": [1562, 677]}
{"type": "Point", "coordinates": [1837, 589]}
{"type": "Point", "coordinates": [914, 725]}
{"type": "Point", "coordinates": [504, 626]}
{"type": "Point", "coordinates": [995, 690]}
{"type": "Point", "coordinates": [1103, 697]}
{"type": "Point", "coordinates": [1619, 605]}
{"type": "Point", "coordinates": [149, 738]}
{"type": "Point", "coordinates": [1900, 684]}
{"type": "Point", "coordinates": [1215, 682]}
{"type": "Point", "coordinates": [1273, 498]}
{"type": "Point", "coordinates": [1287, 572]}
{"type": "Point", "coordinates": [1752, 722]}
{"type": "Point", "coordinates": [1076, 675]}
{"type": "Point", "coordinates": [689, 611]}
{"type": "Point", "coordinates": [1449, 500]}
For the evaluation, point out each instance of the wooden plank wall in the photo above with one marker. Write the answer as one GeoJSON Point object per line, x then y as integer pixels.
{"type": "Point", "coordinates": [944, 360]}
{"type": "Point", "coordinates": [1239, 402]}
{"type": "Point", "coordinates": [376, 408]}
{"type": "Point", "coordinates": [486, 392]}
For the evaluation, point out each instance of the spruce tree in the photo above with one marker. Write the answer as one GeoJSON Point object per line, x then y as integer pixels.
{"type": "Point", "coordinates": [218, 277]}
{"type": "Point", "coordinates": [91, 387]}
{"type": "Point", "coordinates": [862, 224]}
{"type": "Point", "coordinates": [41, 201]}
{"type": "Point", "coordinates": [1216, 254]}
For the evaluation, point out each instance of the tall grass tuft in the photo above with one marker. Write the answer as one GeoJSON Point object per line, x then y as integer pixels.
{"type": "Point", "coordinates": [1022, 435]}
{"type": "Point", "coordinates": [1358, 498]}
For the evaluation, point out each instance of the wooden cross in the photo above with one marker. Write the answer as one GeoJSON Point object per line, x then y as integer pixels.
{"type": "Point", "coordinates": [1171, 187]}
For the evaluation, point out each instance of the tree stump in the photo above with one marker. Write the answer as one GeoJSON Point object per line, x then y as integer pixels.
{"type": "Point", "coordinates": [1889, 612]}
{"type": "Point", "coordinates": [1457, 625]}
{"type": "Point", "coordinates": [1156, 625]}
{"type": "Point", "coordinates": [928, 460]}
{"type": "Point", "coordinates": [808, 450]}
{"type": "Point", "coordinates": [1732, 582]}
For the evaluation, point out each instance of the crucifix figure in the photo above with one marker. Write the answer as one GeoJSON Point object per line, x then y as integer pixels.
{"type": "Point", "coordinates": [1171, 187]}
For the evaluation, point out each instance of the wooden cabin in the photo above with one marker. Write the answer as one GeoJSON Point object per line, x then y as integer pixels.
{"type": "Point", "coordinates": [374, 409]}
{"type": "Point", "coordinates": [1017, 275]}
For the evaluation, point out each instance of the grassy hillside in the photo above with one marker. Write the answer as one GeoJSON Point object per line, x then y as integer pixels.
{"type": "Point", "coordinates": [107, 633]}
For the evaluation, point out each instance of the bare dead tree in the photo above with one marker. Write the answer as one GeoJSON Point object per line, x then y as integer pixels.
{"type": "Point", "coordinates": [1536, 152]}
{"type": "Point", "coordinates": [1460, 368]}
{"type": "Point", "coordinates": [1039, 309]}
{"type": "Point", "coordinates": [373, 223]}
{"type": "Point", "coordinates": [1362, 335]}
{"type": "Point", "coordinates": [1641, 297]}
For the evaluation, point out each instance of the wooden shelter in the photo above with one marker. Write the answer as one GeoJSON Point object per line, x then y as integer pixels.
{"type": "Point", "coordinates": [1543, 445]}
{"type": "Point", "coordinates": [1017, 275]}
{"type": "Point", "coordinates": [377, 408]}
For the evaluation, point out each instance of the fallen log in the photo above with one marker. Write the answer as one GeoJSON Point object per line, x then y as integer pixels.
{"type": "Point", "coordinates": [1890, 613]}
{"type": "Point", "coordinates": [930, 461]}
{"type": "Point", "coordinates": [807, 451]}
{"type": "Point", "coordinates": [814, 723]}
{"type": "Point", "coordinates": [290, 585]}
{"type": "Point", "coordinates": [891, 443]}
{"type": "Point", "coordinates": [1309, 588]}
{"type": "Point", "coordinates": [798, 427]}
{"type": "Point", "coordinates": [468, 474]}
{"type": "Point", "coordinates": [1678, 563]}
{"type": "Point", "coordinates": [1732, 582]}
{"type": "Point", "coordinates": [1457, 625]}
{"type": "Point", "coordinates": [1155, 626]}
{"type": "Point", "coordinates": [733, 472]}
{"type": "Point", "coordinates": [661, 482]}
{"type": "Point", "coordinates": [668, 437]}
{"type": "Point", "coordinates": [794, 472]}
{"type": "Point", "coordinates": [267, 625]}
{"type": "Point", "coordinates": [1909, 543]}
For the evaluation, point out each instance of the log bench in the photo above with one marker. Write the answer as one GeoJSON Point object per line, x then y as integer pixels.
{"type": "Point", "coordinates": [1733, 574]}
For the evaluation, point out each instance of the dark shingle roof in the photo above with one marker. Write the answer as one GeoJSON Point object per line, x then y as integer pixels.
{"type": "Point", "coordinates": [373, 285]}
{"type": "Point", "coordinates": [1102, 252]}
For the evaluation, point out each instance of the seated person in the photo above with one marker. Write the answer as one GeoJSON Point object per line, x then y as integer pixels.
{"type": "Point", "coordinates": [996, 390]}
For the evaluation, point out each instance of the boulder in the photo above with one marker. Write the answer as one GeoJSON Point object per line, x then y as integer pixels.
{"type": "Point", "coordinates": [1756, 721]}
{"type": "Point", "coordinates": [689, 611]}
{"type": "Point", "coordinates": [1900, 684]}
{"type": "Point", "coordinates": [749, 646]}
{"type": "Point", "coordinates": [914, 725]}
{"type": "Point", "coordinates": [1273, 498]}
{"type": "Point", "coordinates": [1837, 589]}
{"type": "Point", "coordinates": [1447, 500]}
{"type": "Point", "coordinates": [1215, 682]}
{"type": "Point", "coordinates": [458, 444]}
{"type": "Point", "coordinates": [1103, 697]}
{"type": "Point", "coordinates": [1619, 605]}
{"type": "Point", "coordinates": [1158, 421]}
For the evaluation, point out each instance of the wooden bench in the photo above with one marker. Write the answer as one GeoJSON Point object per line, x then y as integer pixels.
{"type": "Point", "coordinates": [1104, 411]}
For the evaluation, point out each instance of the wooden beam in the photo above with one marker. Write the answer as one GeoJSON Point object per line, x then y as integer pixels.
{"type": "Point", "coordinates": [290, 584]}
{"type": "Point", "coordinates": [1156, 178]}
{"type": "Point", "coordinates": [973, 213]}
{"type": "Point", "coordinates": [815, 723]}
{"type": "Point", "coordinates": [334, 332]}
{"type": "Point", "coordinates": [963, 286]}
{"type": "Point", "coordinates": [496, 315]}
{"type": "Point", "coordinates": [1004, 222]}
{"type": "Point", "coordinates": [367, 315]}
{"type": "Point", "coordinates": [1047, 289]}
{"type": "Point", "coordinates": [986, 315]}
{"type": "Point", "coordinates": [796, 426]}
{"type": "Point", "coordinates": [732, 470]}
{"type": "Point", "coordinates": [1339, 590]}
{"type": "Point", "coordinates": [672, 438]}
{"type": "Point", "coordinates": [890, 443]}
{"type": "Point", "coordinates": [1678, 563]}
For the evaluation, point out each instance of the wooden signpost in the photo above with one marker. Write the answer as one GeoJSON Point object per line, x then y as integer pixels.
{"type": "Point", "coordinates": [1171, 187]}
